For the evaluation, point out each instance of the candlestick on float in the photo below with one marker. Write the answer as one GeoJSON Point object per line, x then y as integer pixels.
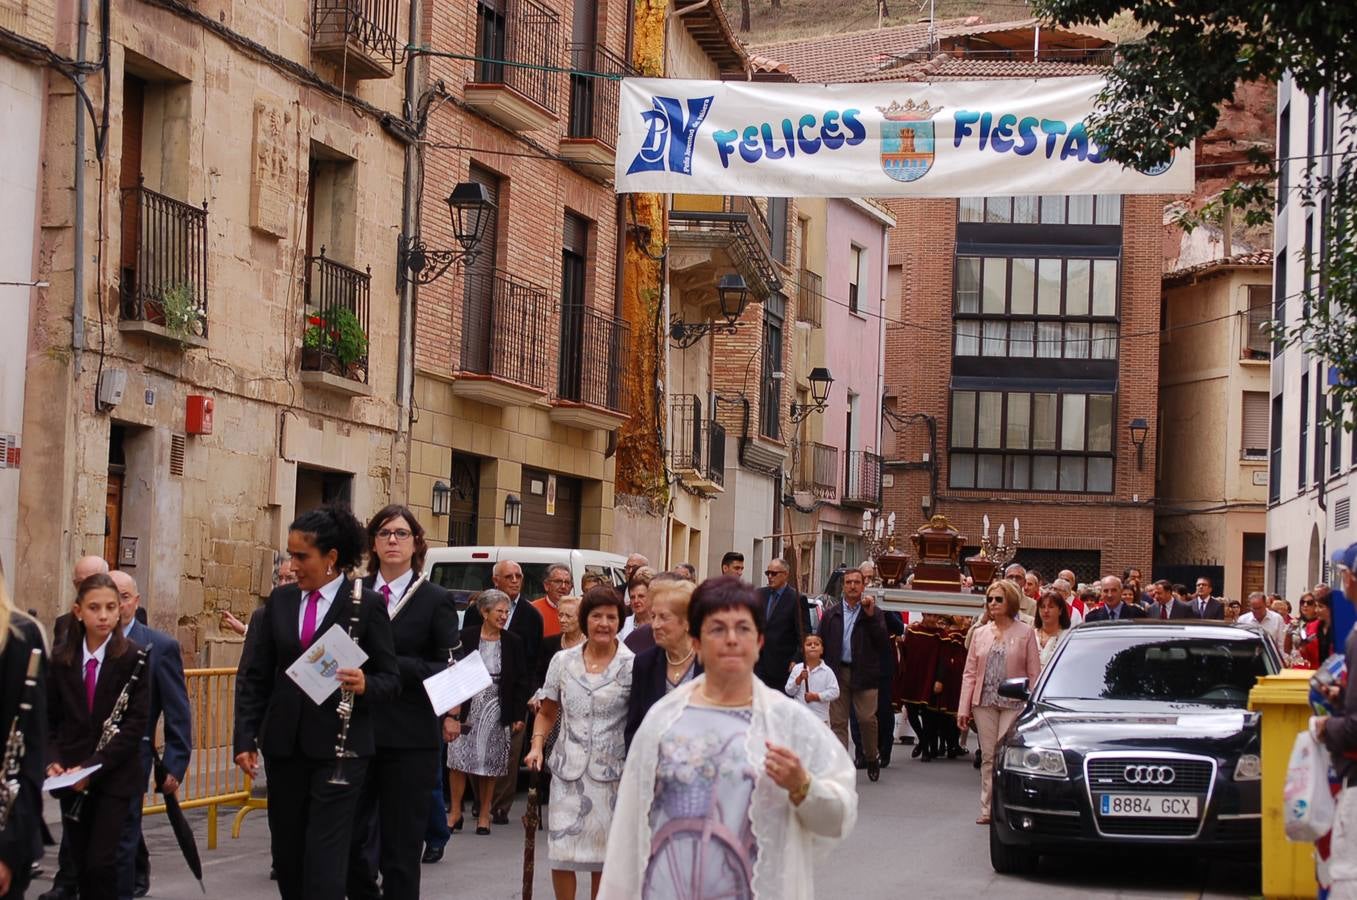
{"type": "Point", "coordinates": [985, 521]}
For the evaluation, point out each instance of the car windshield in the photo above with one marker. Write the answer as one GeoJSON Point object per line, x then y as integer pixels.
{"type": "Point", "coordinates": [1213, 671]}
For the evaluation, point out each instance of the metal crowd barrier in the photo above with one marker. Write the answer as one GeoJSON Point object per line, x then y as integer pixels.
{"type": "Point", "coordinates": [212, 779]}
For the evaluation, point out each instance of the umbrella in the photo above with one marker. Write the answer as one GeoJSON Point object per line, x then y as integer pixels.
{"type": "Point", "coordinates": [531, 819]}
{"type": "Point", "coordinates": [183, 833]}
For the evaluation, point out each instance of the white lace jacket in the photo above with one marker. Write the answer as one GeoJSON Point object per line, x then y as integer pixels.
{"type": "Point", "coordinates": [790, 838]}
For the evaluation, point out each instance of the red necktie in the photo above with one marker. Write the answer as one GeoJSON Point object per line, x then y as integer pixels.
{"type": "Point", "coordinates": [1163, 610]}
{"type": "Point", "coordinates": [91, 674]}
{"type": "Point", "coordinates": [309, 619]}
{"type": "Point", "coordinates": [386, 595]}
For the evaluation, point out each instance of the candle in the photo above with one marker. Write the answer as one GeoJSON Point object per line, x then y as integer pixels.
{"type": "Point", "coordinates": [985, 520]}
{"type": "Point", "coordinates": [890, 524]}
{"type": "Point", "coordinates": [1001, 535]}
{"type": "Point", "coordinates": [1015, 529]}
{"type": "Point", "coordinates": [879, 525]}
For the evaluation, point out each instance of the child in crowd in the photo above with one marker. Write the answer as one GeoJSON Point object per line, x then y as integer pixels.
{"type": "Point", "coordinates": [812, 680]}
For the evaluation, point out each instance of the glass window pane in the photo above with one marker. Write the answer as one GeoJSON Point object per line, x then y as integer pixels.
{"type": "Point", "coordinates": [1043, 421]}
{"type": "Point", "coordinates": [1020, 340]}
{"type": "Point", "coordinates": [999, 209]}
{"type": "Point", "coordinates": [1019, 421]}
{"type": "Point", "coordinates": [1109, 209]}
{"type": "Point", "coordinates": [962, 474]}
{"type": "Point", "coordinates": [967, 337]}
{"type": "Point", "coordinates": [963, 419]}
{"type": "Point", "coordinates": [1072, 422]}
{"type": "Point", "coordinates": [1053, 209]}
{"type": "Point", "coordinates": [971, 209]}
{"type": "Point", "coordinates": [996, 285]}
{"type": "Point", "coordinates": [1071, 473]}
{"type": "Point", "coordinates": [1081, 209]}
{"type": "Point", "coordinates": [989, 419]}
{"type": "Point", "coordinates": [1048, 287]}
{"type": "Point", "coordinates": [1076, 340]}
{"type": "Point", "coordinates": [1025, 210]}
{"type": "Point", "coordinates": [1044, 473]}
{"type": "Point", "coordinates": [1104, 287]}
{"type": "Point", "coordinates": [1018, 474]}
{"type": "Point", "coordinates": [1076, 287]}
{"type": "Point", "coordinates": [1100, 474]}
{"type": "Point", "coordinates": [1100, 422]}
{"type": "Point", "coordinates": [1024, 282]}
{"type": "Point", "coordinates": [989, 471]}
{"type": "Point", "coordinates": [995, 332]}
{"type": "Point", "coordinates": [1049, 340]}
{"type": "Point", "coordinates": [968, 284]}
{"type": "Point", "coordinates": [1104, 341]}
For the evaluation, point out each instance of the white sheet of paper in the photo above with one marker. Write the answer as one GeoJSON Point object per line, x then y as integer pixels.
{"type": "Point", "coordinates": [457, 684]}
{"type": "Point", "coordinates": [67, 779]}
{"type": "Point", "coordinates": [316, 671]}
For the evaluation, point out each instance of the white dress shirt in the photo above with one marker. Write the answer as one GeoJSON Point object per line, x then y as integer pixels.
{"type": "Point", "coordinates": [327, 596]}
{"type": "Point", "coordinates": [398, 588]}
{"type": "Point", "coordinates": [97, 656]}
{"type": "Point", "coordinates": [1272, 624]}
{"type": "Point", "coordinates": [820, 680]}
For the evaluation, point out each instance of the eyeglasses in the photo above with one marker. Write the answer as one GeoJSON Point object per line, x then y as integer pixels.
{"type": "Point", "coordinates": [771, 572]}
{"type": "Point", "coordinates": [744, 631]}
{"type": "Point", "coordinates": [400, 534]}
{"type": "Point", "coordinates": [513, 576]}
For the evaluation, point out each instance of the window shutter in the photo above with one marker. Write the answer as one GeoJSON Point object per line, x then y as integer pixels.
{"type": "Point", "coordinates": [1255, 437]}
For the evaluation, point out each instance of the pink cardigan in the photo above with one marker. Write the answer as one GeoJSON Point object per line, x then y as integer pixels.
{"type": "Point", "coordinates": [1023, 658]}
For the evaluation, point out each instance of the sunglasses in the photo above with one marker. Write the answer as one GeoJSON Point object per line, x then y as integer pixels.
{"type": "Point", "coordinates": [994, 599]}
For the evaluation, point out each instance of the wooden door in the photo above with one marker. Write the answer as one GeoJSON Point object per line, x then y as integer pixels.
{"type": "Point", "coordinates": [113, 517]}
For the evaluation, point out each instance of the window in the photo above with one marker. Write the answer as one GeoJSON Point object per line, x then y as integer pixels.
{"type": "Point", "coordinates": [1255, 338]}
{"type": "Point", "coordinates": [856, 278]}
{"type": "Point", "coordinates": [1335, 435]}
{"type": "Point", "coordinates": [771, 406]}
{"type": "Point", "coordinates": [1274, 471]}
{"type": "Point", "coordinates": [1319, 426]}
{"type": "Point", "coordinates": [777, 227]}
{"type": "Point", "coordinates": [1018, 440]}
{"type": "Point", "coordinates": [1283, 157]}
{"type": "Point", "coordinates": [1048, 209]}
{"type": "Point", "coordinates": [1279, 571]}
{"type": "Point", "coordinates": [1254, 440]}
{"type": "Point", "coordinates": [491, 29]}
{"type": "Point", "coordinates": [574, 258]}
{"type": "Point", "coordinates": [1303, 459]}
{"type": "Point", "coordinates": [1278, 304]}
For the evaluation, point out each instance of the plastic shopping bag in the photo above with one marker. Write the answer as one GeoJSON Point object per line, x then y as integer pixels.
{"type": "Point", "coordinates": [1308, 806]}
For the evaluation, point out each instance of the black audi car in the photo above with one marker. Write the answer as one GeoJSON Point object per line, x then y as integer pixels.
{"type": "Point", "coordinates": [1136, 733]}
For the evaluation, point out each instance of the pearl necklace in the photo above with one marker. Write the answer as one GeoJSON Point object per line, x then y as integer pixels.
{"type": "Point", "coordinates": [680, 662]}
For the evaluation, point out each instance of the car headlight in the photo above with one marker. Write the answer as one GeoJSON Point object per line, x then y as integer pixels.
{"type": "Point", "coordinates": [1035, 761]}
{"type": "Point", "coordinates": [1249, 768]}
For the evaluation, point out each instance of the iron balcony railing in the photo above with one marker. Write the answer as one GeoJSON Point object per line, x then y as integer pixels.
{"type": "Point", "coordinates": [338, 298]}
{"type": "Point", "coordinates": [506, 328]}
{"type": "Point", "coordinates": [862, 479]}
{"type": "Point", "coordinates": [737, 223]}
{"type": "Point", "coordinates": [367, 25]}
{"type": "Point", "coordinates": [593, 100]}
{"type": "Point", "coordinates": [593, 352]}
{"type": "Point", "coordinates": [810, 299]}
{"type": "Point", "coordinates": [518, 42]}
{"type": "Point", "coordinates": [164, 277]}
{"type": "Point", "coordinates": [697, 443]}
{"type": "Point", "coordinates": [818, 470]}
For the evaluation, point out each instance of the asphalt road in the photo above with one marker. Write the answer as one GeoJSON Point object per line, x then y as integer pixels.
{"type": "Point", "coordinates": [915, 837]}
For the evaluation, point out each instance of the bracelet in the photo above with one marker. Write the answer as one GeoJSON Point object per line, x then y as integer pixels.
{"type": "Point", "coordinates": [799, 794]}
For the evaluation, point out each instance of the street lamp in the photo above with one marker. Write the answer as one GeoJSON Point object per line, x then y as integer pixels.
{"type": "Point", "coordinates": [733, 296]}
{"type": "Point", "coordinates": [1139, 429]}
{"type": "Point", "coordinates": [513, 511]}
{"type": "Point", "coordinates": [442, 498]}
{"type": "Point", "coordinates": [470, 209]}
{"type": "Point", "coordinates": [820, 382]}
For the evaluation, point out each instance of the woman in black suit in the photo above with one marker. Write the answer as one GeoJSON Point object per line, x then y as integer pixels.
{"type": "Point", "coordinates": [310, 816]}
{"type": "Point", "coordinates": [90, 671]}
{"type": "Point", "coordinates": [673, 659]}
{"type": "Point", "coordinates": [21, 838]}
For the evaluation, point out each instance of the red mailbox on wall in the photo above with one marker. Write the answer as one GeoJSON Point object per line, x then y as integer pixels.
{"type": "Point", "coordinates": [198, 417]}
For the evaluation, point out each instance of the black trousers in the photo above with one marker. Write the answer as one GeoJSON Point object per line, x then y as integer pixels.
{"type": "Point", "coordinates": [922, 722]}
{"type": "Point", "coordinates": [392, 811]}
{"type": "Point", "coordinates": [94, 843]}
{"type": "Point", "coordinates": [311, 824]}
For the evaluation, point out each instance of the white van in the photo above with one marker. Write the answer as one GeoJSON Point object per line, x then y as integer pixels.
{"type": "Point", "coordinates": [466, 570]}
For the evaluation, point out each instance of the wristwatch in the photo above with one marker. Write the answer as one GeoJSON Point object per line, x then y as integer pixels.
{"type": "Point", "coordinates": [799, 794]}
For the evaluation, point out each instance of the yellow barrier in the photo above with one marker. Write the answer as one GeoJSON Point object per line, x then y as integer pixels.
{"type": "Point", "coordinates": [1283, 699]}
{"type": "Point", "coordinates": [212, 779]}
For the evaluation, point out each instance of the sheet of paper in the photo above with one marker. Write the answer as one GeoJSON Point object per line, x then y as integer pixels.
{"type": "Point", "coordinates": [69, 778]}
{"type": "Point", "coordinates": [316, 671]}
{"type": "Point", "coordinates": [457, 684]}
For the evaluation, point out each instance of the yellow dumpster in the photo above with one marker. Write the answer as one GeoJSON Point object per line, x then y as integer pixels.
{"type": "Point", "coordinates": [1283, 700]}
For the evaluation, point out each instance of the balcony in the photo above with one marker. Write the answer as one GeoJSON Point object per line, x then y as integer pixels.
{"type": "Point", "coordinates": [335, 341]}
{"type": "Point", "coordinates": [506, 326]}
{"type": "Point", "coordinates": [515, 83]}
{"type": "Point", "coordinates": [589, 384]}
{"type": "Point", "coordinates": [697, 445]}
{"type": "Point", "coordinates": [356, 36]}
{"type": "Point", "coordinates": [810, 299]}
{"type": "Point", "coordinates": [817, 470]}
{"type": "Point", "coordinates": [733, 225]}
{"type": "Point", "coordinates": [163, 285]}
{"type": "Point", "coordinates": [862, 480]}
{"type": "Point", "coordinates": [591, 138]}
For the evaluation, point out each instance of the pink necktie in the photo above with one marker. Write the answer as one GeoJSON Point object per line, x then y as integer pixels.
{"type": "Point", "coordinates": [309, 619]}
{"type": "Point", "coordinates": [91, 673]}
{"type": "Point", "coordinates": [1164, 611]}
{"type": "Point", "coordinates": [386, 595]}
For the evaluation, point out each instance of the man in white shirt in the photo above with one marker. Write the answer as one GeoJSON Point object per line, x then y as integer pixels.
{"type": "Point", "coordinates": [812, 680]}
{"type": "Point", "coordinates": [1260, 615]}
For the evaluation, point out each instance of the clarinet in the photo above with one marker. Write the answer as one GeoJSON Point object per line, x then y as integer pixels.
{"type": "Point", "coordinates": [14, 745]}
{"type": "Point", "coordinates": [112, 725]}
{"type": "Point", "coordinates": [346, 696]}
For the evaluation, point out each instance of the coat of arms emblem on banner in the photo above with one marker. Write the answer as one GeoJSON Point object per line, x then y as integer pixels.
{"type": "Point", "coordinates": [907, 139]}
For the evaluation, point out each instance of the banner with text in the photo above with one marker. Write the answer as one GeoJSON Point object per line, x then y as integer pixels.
{"type": "Point", "coordinates": [946, 139]}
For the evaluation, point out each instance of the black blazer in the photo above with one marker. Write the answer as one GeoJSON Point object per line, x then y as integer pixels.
{"type": "Point", "coordinates": [781, 636]}
{"type": "Point", "coordinates": [273, 714]}
{"type": "Point", "coordinates": [21, 841]}
{"type": "Point", "coordinates": [514, 674]}
{"type": "Point", "coordinates": [1127, 611]}
{"type": "Point", "coordinates": [73, 730]}
{"type": "Point", "coordinates": [424, 631]}
{"type": "Point", "coordinates": [526, 623]}
{"type": "Point", "coordinates": [869, 643]}
{"type": "Point", "coordinates": [169, 697]}
{"type": "Point", "coordinates": [649, 677]}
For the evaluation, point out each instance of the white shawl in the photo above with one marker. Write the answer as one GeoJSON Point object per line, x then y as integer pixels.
{"type": "Point", "coordinates": [790, 838]}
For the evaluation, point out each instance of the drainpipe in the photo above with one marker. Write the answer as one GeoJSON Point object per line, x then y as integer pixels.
{"type": "Point", "coordinates": [78, 243]}
{"type": "Point", "coordinates": [405, 354]}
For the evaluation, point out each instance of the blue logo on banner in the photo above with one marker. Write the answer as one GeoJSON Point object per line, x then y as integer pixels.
{"type": "Point", "coordinates": [670, 134]}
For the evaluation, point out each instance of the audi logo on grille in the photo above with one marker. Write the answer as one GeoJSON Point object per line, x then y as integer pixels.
{"type": "Point", "coordinates": [1149, 774]}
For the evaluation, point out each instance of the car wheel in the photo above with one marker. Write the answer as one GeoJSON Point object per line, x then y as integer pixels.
{"type": "Point", "coordinates": [1007, 859]}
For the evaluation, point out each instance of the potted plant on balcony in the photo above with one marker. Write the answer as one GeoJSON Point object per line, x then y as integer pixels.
{"type": "Point", "coordinates": [183, 313]}
{"type": "Point", "coordinates": [334, 342]}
